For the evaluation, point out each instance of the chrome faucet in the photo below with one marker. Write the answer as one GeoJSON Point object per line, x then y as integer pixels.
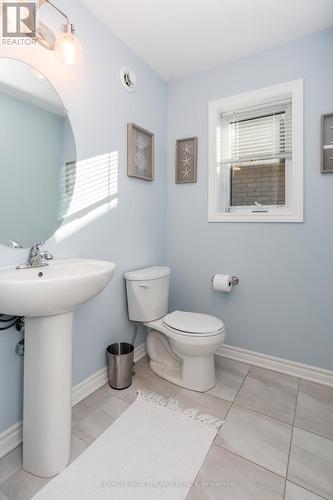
{"type": "Point", "coordinates": [37, 258]}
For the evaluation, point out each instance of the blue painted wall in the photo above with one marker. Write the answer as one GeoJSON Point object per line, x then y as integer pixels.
{"type": "Point", "coordinates": [131, 234]}
{"type": "Point", "coordinates": [283, 304]}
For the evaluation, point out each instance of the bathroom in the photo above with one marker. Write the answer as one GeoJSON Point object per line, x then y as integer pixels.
{"type": "Point", "coordinates": [252, 422]}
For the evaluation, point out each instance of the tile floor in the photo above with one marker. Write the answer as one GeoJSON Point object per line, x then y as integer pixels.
{"type": "Point", "coordinates": [276, 443]}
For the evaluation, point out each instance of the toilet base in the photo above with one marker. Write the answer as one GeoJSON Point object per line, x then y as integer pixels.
{"type": "Point", "coordinates": [190, 366]}
{"type": "Point", "coordinates": [174, 375]}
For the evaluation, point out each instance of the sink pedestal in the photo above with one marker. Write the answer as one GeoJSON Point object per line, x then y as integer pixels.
{"type": "Point", "coordinates": [47, 406]}
{"type": "Point", "coordinates": [47, 298]}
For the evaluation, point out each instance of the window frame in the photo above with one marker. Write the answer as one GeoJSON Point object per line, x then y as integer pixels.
{"type": "Point", "coordinates": [293, 213]}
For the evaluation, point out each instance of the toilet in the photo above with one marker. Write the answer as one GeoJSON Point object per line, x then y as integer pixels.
{"type": "Point", "coordinates": [181, 345]}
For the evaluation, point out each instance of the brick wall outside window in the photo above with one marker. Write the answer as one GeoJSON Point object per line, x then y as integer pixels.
{"type": "Point", "coordinates": [262, 183]}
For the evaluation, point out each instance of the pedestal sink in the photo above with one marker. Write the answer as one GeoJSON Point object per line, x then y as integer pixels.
{"type": "Point", "coordinates": [47, 297]}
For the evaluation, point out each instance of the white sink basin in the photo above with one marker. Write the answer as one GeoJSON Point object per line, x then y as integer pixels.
{"type": "Point", "coordinates": [47, 297]}
{"type": "Point", "coordinates": [54, 289]}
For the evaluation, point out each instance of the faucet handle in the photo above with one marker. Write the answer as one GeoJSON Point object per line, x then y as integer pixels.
{"type": "Point", "coordinates": [47, 255]}
{"type": "Point", "coordinates": [35, 249]}
{"type": "Point", "coordinates": [38, 245]}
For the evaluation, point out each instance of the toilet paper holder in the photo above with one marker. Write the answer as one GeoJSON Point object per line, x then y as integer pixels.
{"type": "Point", "coordinates": [234, 280]}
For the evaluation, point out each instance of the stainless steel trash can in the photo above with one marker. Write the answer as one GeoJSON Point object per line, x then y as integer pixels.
{"type": "Point", "coordinates": [119, 357]}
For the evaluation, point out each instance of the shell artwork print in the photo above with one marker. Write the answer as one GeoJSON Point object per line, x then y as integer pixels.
{"type": "Point", "coordinates": [140, 153]}
{"type": "Point", "coordinates": [140, 156]}
{"type": "Point", "coordinates": [141, 142]}
{"type": "Point", "coordinates": [140, 161]}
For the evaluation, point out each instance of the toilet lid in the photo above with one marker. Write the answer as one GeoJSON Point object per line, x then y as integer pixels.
{"type": "Point", "coordinates": [195, 323]}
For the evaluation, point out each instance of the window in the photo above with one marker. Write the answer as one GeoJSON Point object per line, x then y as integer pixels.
{"type": "Point", "coordinates": [255, 160]}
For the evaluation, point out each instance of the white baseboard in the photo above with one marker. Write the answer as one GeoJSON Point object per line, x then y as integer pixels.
{"type": "Point", "coordinates": [89, 385]}
{"type": "Point", "coordinates": [11, 438]}
{"type": "Point", "coordinates": [308, 372]}
{"type": "Point", "coordinates": [140, 352]}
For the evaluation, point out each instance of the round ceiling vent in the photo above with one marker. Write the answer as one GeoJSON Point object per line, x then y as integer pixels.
{"type": "Point", "coordinates": [128, 79]}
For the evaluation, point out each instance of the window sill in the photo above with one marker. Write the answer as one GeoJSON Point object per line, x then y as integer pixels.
{"type": "Point", "coordinates": [255, 217]}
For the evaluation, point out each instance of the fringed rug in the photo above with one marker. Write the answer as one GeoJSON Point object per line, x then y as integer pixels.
{"type": "Point", "coordinates": [154, 450]}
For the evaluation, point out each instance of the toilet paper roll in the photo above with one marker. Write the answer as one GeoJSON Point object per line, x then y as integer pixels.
{"type": "Point", "coordinates": [222, 282]}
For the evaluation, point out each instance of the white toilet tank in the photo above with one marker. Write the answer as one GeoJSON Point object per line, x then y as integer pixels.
{"type": "Point", "coordinates": [147, 293]}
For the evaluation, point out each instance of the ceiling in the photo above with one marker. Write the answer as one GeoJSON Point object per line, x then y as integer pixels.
{"type": "Point", "coordinates": [178, 38]}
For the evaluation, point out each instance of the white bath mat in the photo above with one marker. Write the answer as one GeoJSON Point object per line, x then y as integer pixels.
{"type": "Point", "coordinates": [154, 450]}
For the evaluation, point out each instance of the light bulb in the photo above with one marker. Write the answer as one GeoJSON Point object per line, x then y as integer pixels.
{"type": "Point", "coordinates": [67, 47]}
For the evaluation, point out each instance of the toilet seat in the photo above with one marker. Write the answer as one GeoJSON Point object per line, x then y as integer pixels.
{"type": "Point", "coordinates": [193, 324]}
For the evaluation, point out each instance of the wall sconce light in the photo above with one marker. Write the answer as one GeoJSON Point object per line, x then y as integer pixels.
{"type": "Point", "coordinates": [66, 46]}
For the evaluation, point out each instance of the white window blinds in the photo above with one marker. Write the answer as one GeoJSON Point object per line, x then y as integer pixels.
{"type": "Point", "coordinates": [258, 133]}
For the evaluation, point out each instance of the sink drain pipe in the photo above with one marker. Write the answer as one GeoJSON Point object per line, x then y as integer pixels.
{"type": "Point", "coordinates": [7, 322]}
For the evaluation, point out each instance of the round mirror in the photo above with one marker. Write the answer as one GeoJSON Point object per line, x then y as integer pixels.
{"type": "Point", "coordinates": [37, 156]}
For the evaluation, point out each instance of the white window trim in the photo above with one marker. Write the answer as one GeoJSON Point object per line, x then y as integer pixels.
{"type": "Point", "coordinates": [261, 96]}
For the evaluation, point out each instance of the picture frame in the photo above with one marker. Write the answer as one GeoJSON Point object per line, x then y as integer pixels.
{"type": "Point", "coordinates": [186, 160]}
{"type": "Point", "coordinates": [140, 152]}
{"type": "Point", "coordinates": [327, 143]}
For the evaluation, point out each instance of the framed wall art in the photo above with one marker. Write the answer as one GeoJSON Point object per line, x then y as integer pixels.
{"type": "Point", "coordinates": [140, 152]}
{"type": "Point", "coordinates": [327, 143]}
{"type": "Point", "coordinates": [186, 160]}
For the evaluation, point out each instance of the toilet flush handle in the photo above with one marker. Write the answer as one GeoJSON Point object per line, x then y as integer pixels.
{"type": "Point", "coordinates": [144, 285]}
